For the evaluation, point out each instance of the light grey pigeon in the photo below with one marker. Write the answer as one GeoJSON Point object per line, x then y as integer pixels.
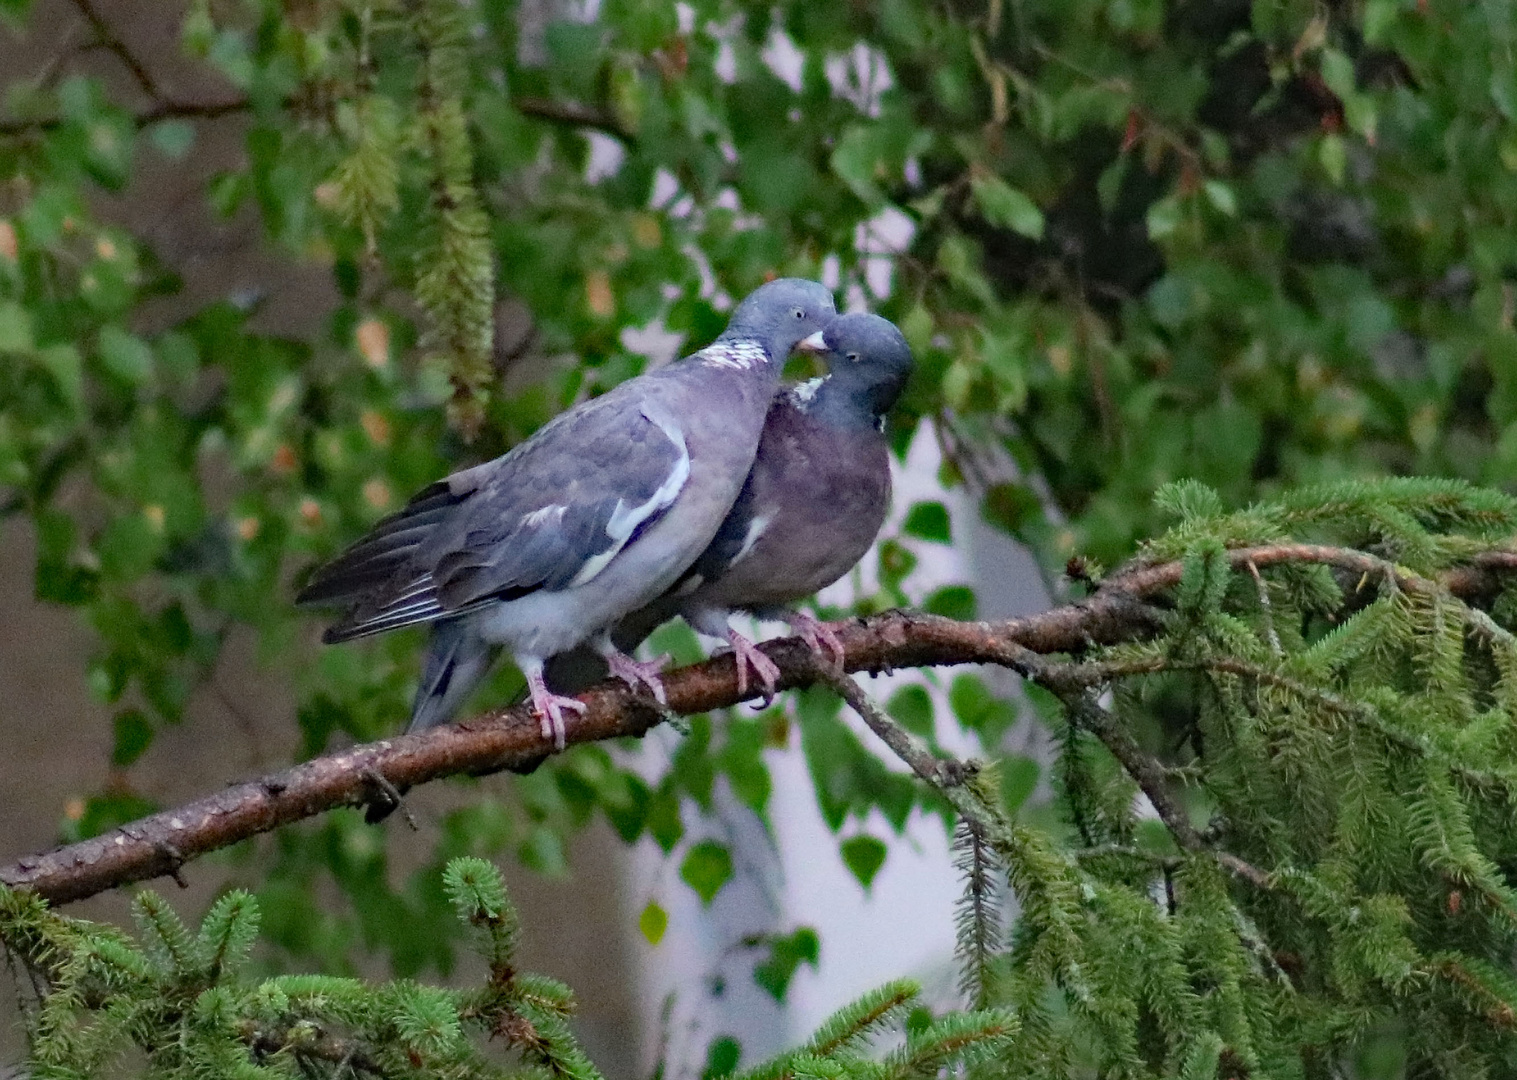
{"type": "Point", "coordinates": [591, 518]}
{"type": "Point", "coordinates": [811, 507]}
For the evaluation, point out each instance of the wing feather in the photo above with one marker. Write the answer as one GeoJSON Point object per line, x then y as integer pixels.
{"type": "Point", "coordinates": [551, 514]}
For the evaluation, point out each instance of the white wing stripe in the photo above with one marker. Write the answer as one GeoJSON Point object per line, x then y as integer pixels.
{"type": "Point", "coordinates": [625, 520]}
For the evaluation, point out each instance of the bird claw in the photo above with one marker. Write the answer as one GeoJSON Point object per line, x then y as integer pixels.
{"type": "Point", "coordinates": [747, 655]}
{"type": "Point", "coordinates": [820, 638]}
{"type": "Point", "coordinates": [640, 673]}
{"type": "Point", "coordinates": [550, 707]}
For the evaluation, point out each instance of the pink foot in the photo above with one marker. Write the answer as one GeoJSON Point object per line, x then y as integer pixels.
{"type": "Point", "coordinates": [644, 673]}
{"type": "Point", "coordinates": [821, 638]}
{"type": "Point", "coordinates": [748, 656]}
{"type": "Point", "coordinates": [550, 708]}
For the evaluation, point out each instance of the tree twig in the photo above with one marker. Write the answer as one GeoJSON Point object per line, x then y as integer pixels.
{"type": "Point", "coordinates": [1149, 774]}
{"type": "Point", "coordinates": [108, 39]}
{"type": "Point", "coordinates": [568, 114]}
{"type": "Point", "coordinates": [162, 843]}
{"type": "Point", "coordinates": [349, 1054]}
{"type": "Point", "coordinates": [164, 110]}
{"type": "Point", "coordinates": [573, 114]}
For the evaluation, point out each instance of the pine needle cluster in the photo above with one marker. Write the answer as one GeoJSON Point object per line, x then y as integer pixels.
{"type": "Point", "coordinates": [1321, 856]}
{"type": "Point", "coordinates": [175, 1003]}
{"type": "Point", "coordinates": [184, 1003]}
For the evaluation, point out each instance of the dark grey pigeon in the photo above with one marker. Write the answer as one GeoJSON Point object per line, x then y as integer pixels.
{"type": "Point", "coordinates": [593, 517]}
{"type": "Point", "coordinates": [811, 507]}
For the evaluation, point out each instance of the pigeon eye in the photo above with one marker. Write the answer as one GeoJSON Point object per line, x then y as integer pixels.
{"type": "Point", "coordinates": [854, 357]}
{"type": "Point", "coordinates": [798, 313]}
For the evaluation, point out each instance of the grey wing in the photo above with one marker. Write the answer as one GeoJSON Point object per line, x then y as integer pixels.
{"type": "Point", "coordinates": [373, 561]}
{"type": "Point", "coordinates": [551, 514]}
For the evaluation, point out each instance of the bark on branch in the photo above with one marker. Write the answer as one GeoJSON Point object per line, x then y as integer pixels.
{"type": "Point", "coordinates": [564, 114]}
{"type": "Point", "coordinates": [1119, 610]}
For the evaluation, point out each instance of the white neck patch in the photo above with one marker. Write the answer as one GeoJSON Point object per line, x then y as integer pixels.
{"type": "Point", "coordinates": [739, 354]}
{"type": "Point", "coordinates": [805, 393]}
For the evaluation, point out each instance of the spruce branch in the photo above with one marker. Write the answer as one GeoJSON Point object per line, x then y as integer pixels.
{"type": "Point", "coordinates": [1120, 610]}
{"type": "Point", "coordinates": [1150, 776]}
{"type": "Point", "coordinates": [979, 911]}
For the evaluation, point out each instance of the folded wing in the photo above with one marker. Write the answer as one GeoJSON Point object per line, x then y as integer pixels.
{"type": "Point", "coordinates": [551, 514]}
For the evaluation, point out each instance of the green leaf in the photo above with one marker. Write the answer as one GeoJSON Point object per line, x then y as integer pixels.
{"type": "Point", "coordinates": [786, 954]}
{"type": "Point", "coordinates": [896, 562]}
{"type": "Point", "coordinates": [741, 759]}
{"type": "Point", "coordinates": [173, 138]}
{"type": "Point", "coordinates": [543, 851]}
{"type": "Point", "coordinates": [980, 711]}
{"type": "Point", "coordinates": [952, 602]}
{"type": "Point", "coordinates": [128, 547]}
{"type": "Point", "coordinates": [1220, 195]}
{"type": "Point", "coordinates": [1164, 217]}
{"type": "Point", "coordinates": [854, 162]}
{"type": "Point", "coordinates": [653, 922]}
{"type": "Point", "coordinates": [1379, 17]}
{"type": "Point", "coordinates": [66, 367]}
{"type": "Point", "coordinates": [125, 354]}
{"type": "Point", "coordinates": [1188, 500]}
{"type": "Point", "coordinates": [134, 734]}
{"type": "Point", "coordinates": [959, 257]}
{"type": "Point", "coordinates": [707, 866]}
{"type": "Point", "coordinates": [1005, 206]}
{"type": "Point", "coordinates": [928, 521]}
{"type": "Point", "coordinates": [912, 706]}
{"type": "Point", "coordinates": [1332, 152]}
{"type": "Point", "coordinates": [664, 823]}
{"type": "Point", "coordinates": [1019, 778]}
{"type": "Point", "coordinates": [722, 1057]}
{"type": "Point", "coordinates": [626, 804]}
{"type": "Point", "coordinates": [15, 328]}
{"type": "Point", "coordinates": [863, 855]}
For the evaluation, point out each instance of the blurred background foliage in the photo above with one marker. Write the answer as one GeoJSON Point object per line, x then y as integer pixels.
{"type": "Point", "coordinates": [1259, 244]}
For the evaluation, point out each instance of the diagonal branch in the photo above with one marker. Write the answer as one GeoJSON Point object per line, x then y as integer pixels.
{"type": "Point", "coordinates": [108, 39]}
{"type": "Point", "coordinates": [1150, 777]}
{"type": "Point", "coordinates": [159, 845]}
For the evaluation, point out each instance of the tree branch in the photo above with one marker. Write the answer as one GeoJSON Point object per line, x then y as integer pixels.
{"type": "Point", "coordinates": [569, 114]}
{"type": "Point", "coordinates": [159, 845]}
{"type": "Point", "coordinates": [573, 114]}
{"type": "Point", "coordinates": [164, 110]}
{"type": "Point", "coordinates": [348, 1055]}
{"type": "Point", "coordinates": [1150, 777]}
{"type": "Point", "coordinates": [109, 40]}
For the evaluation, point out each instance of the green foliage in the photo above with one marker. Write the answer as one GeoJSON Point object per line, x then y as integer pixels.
{"type": "Point", "coordinates": [707, 866]}
{"type": "Point", "coordinates": [183, 1004]}
{"type": "Point", "coordinates": [787, 952]}
{"type": "Point", "coordinates": [1265, 246]}
{"type": "Point", "coordinates": [1340, 729]}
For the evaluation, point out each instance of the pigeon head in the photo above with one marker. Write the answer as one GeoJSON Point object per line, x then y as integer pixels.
{"type": "Point", "coordinates": [868, 363]}
{"type": "Point", "coordinates": [781, 314]}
